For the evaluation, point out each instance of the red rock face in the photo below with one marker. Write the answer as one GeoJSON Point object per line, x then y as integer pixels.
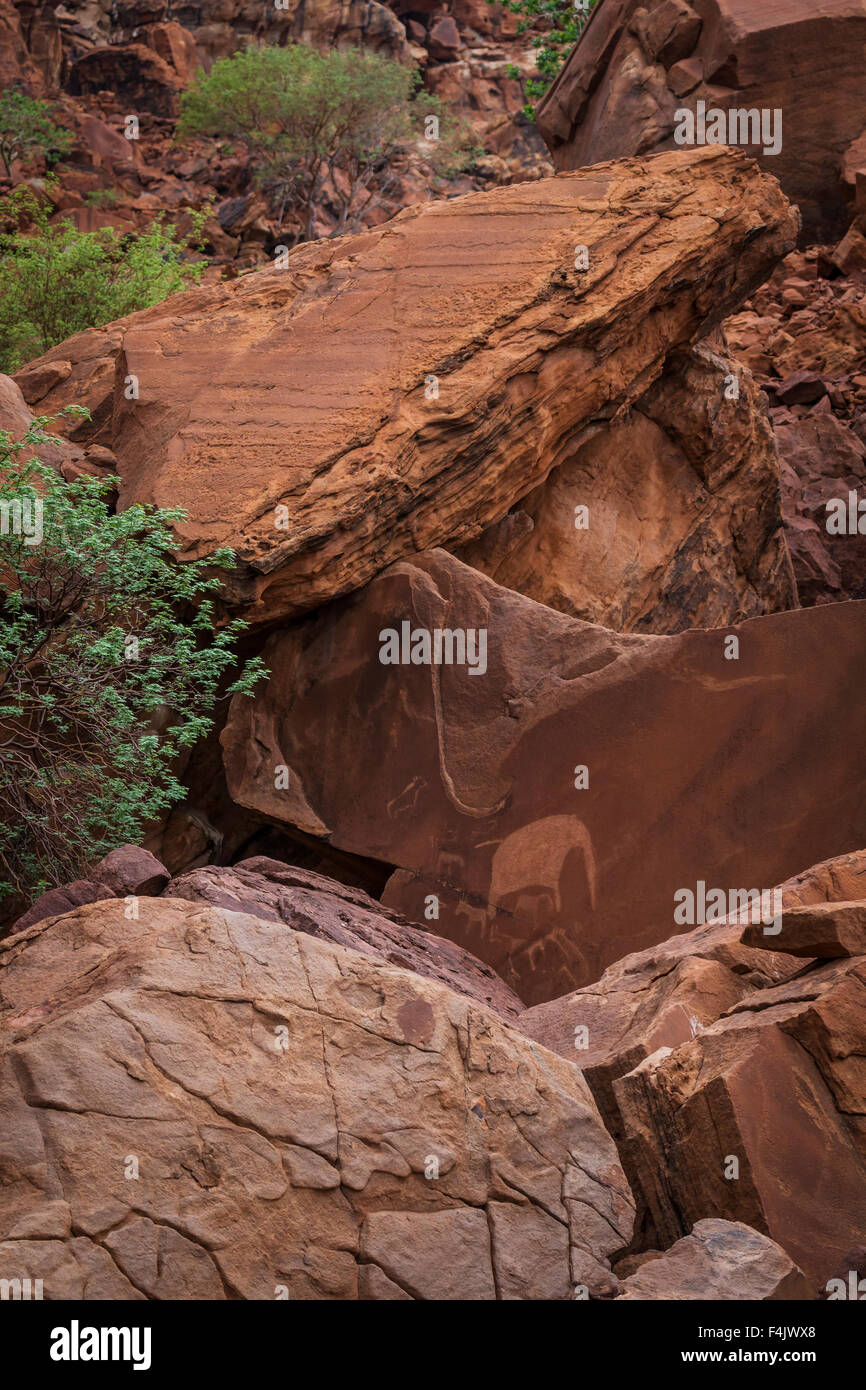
{"type": "Point", "coordinates": [643, 1020]}
{"type": "Point", "coordinates": [700, 768]}
{"type": "Point", "coordinates": [16, 65]}
{"type": "Point", "coordinates": [525, 428]}
{"type": "Point", "coordinates": [640, 61]}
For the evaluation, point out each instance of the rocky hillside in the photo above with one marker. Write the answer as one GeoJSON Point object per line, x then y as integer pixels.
{"type": "Point", "coordinates": [505, 938]}
{"type": "Point", "coordinates": [101, 63]}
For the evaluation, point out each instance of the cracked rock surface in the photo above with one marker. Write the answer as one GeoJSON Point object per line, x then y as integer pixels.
{"type": "Point", "coordinates": [198, 1103]}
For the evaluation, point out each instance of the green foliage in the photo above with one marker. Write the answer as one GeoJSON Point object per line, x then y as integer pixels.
{"type": "Point", "coordinates": [311, 119]}
{"type": "Point", "coordinates": [25, 125]}
{"type": "Point", "coordinates": [109, 668]}
{"type": "Point", "coordinates": [56, 281]}
{"type": "Point", "coordinates": [561, 22]}
{"type": "Point", "coordinates": [101, 197]}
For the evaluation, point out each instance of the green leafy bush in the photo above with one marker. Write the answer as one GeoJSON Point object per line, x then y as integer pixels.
{"type": "Point", "coordinates": [561, 23]}
{"type": "Point", "coordinates": [56, 281]}
{"type": "Point", "coordinates": [101, 197]}
{"type": "Point", "coordinates": [311, 119]}
{"type": "Point", "coordinates": [26, 125]}
{"type": "Point", "coordinates": [109, 668]}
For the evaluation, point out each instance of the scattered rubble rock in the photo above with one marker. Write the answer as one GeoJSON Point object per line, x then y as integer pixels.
{"type": "Point", "coordinates": [720, 1260]}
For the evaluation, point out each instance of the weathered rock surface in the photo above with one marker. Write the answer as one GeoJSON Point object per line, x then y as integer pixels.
{"type": "Point", "coordinates": [58, 39]}
{"type": "Point", "coordinates": [639, 61]}
{"type": "Point", "coordinates": [760, 1118]}
{"type": "Point", "coordinates": [294, 412]}
{"type": "Point", "coordinates": [16, 66]}
{"type": "Point", "coordinates": [139, 76]}
{"type": "Point", "coordinates": [16, 419]}
{"type": "Point", "coordinates": [683, 526]}
{"type": "Point", "coordinates": [720, 1260]}
{"type": "Point", "coordinates": [219, 1107]}
{"type": "Point", "coordinates": [699, 767]}
{"type": "Point", "coordinates": [713, 1048]}
{"type": "Point", "coordinates": [309, 902]}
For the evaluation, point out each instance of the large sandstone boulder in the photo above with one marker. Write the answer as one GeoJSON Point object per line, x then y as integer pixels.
{"type": "Point", "coordinates": [734, 772]}
{"type": "Point", "coordinates": [405, 387]}
{"type": "Point", "coordinates": [682, 527]}
{"type": "Point", "coordinates": [197, 1103]}
{"type": "Point", "coordinates": [640, 61]}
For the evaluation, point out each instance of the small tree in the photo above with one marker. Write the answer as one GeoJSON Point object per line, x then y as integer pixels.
{"type": "Point", "coordinates": [561, 23]}
{"type": "Point", "coordinates": [309, 119]}
{"type": "Point", "coordinates": [25, 125]}
{"type": "Point", "coordinates": [56, 281]}
{"type": "Point", "coordinates": [109, 667]}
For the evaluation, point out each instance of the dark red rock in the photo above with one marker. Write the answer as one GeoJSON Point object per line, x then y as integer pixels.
{"type": "Point", "coordinates": [129, 870]}
{"type": "Point", "coordinates": [801, 388]}
{"type": "Point", "coordinates": [62, 899]}
{"type": "Point", "coordinates": [444, 39]}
